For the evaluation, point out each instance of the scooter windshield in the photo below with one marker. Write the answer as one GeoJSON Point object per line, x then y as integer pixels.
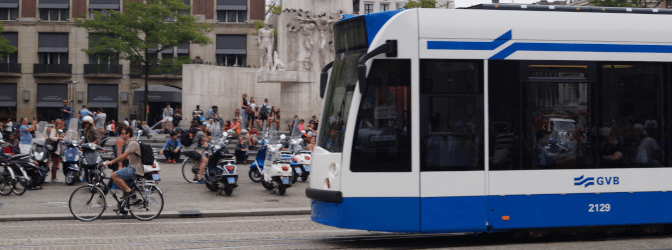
{"type": "Point", "coordinates": [40, 132]}
{"type": "Point", "coordinates": [71, 133]}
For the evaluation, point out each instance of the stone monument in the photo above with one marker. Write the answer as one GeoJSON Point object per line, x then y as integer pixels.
{"type": "Point", "coordinates": [305, 45]}
{"type": "Point", "coordinates": [265, 40]}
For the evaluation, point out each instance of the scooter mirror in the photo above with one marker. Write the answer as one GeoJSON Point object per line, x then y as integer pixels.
{"type": "Point", "coordinates": [303, 131]}
{"type": "Point", "coordinates": [225, 134]}
{"type": "Point", "coordinates": [282, 137]}
{"type": "Point", "coordinates": [60, 131]}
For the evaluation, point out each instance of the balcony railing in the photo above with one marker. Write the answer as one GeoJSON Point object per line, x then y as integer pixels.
{"type": "Point", "coordinates": [10, 68]}
{"type": "Point", "coordinates": [52, 69]}
{"type": "Point", "coordinates": [102, 69]}
{"type": "Point", "coordinates": [155, 70]}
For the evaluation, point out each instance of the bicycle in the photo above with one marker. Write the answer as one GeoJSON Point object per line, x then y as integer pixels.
{"type": "Point", "coordinates": [144, 202]}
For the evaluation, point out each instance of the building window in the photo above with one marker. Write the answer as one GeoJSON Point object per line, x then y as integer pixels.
{"type": "Point", "coordinates": [384, 6]}
{"type": "Point", "coordinates": [104, 12]}
{"type": "Point", "coordinates": [9, 13]}
{"type": "Point", "coordinates": [231, 16]}
{"type": "Point", "coordinates": [54, 14]}
{"type": "Point", "coordinates": [232, 60]}
{"type": "Point", "coordinates": [104, 58]}
{"type": "Point", "coordinates": [368, 8]}
{"type": "Point", "coordinates": [53, 58]}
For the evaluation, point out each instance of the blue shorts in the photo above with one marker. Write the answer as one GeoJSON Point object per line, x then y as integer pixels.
{"type": "Point", "coordinates": [126, 173]}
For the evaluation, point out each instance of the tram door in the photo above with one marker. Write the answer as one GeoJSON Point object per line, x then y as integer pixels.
{"type": "Point", "coordinates": [452, 177]}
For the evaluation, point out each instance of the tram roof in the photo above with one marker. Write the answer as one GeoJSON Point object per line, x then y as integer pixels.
{"type": "Point", "coordinates": [564, 8]}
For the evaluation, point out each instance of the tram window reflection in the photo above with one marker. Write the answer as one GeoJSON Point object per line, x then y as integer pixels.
{"type": "Point", "coordinates": [382, 141]}
{"type": "Point", "coordinates": [451, 115]}
{"type": "Point", "coordinates": [632, 131]}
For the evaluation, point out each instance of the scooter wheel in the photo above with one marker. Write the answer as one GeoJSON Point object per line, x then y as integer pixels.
{"type": "Point", "coordinates": [295, 176]}
{"type": "Point", "coordinates": [213, 187]}
{"type": "Point", "coordinates": [267, 185]}
{"type": "Point", "coordinates": [254, 175]}
{"type": "Point", "coordinates": [282, 189]}
{"type": "Point", "coordinates": [228, 189]}
{"type": "Point", "coordinates": [71, 178]}
{"type": "Point", "coordinates": [304, 177]}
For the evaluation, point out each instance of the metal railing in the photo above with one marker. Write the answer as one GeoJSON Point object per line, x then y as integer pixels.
{"type": "Point", "coordinates": [10, 68]}
{"type": "Point", "coordinates": [52, 69]}
{"type": "Point", "coordinates": [102, 69]}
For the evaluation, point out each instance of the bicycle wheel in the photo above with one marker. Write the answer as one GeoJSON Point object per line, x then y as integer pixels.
{"type": "Point", "coordinates": [5, 186]}
{"type": "Point", "coordinates": [20, 185]}
{"type": "Point", "coordinates": [188, 167]}
{"type": "Point", "coordinates": [87, 203]}
{"type": "Point", "coordinates": [148, 205]}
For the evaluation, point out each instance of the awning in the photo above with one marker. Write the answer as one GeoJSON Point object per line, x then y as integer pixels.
{"type": "Point", "coordinates": [231, 7]}
{"type": "Point", "coordinates": [102, 105]}
{"type": "Point", "coordinates": [231, 51]}
{"type": "Point", "coordinates": [9, 5]}
{"type": "Point", "coordinates": [49, 104]}
{"type": "Point", "coordinates": [158, 93]}
{"type": "Point", "coordinates": [167, 51]}
{"type": "Point", "coordinates": [7, 104]}
{"type": "Point", "coordinates": [98, 6]}
{"type": "Point", "coordinates": [53, 6]}
{"type": "Point", "coordinates": [52, 49]}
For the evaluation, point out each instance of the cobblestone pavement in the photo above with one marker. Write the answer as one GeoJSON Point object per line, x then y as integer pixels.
{"type": "Point", "coordinates": [178, 194]}
{"type": "Point", "coordinates": [276, 232]}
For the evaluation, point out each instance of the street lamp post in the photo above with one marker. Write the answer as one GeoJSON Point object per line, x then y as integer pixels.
{"type": "Point", "coordinates": [71, 93]}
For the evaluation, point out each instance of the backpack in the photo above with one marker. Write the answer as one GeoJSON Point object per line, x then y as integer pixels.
{"type": "Point", "coordinates": [146, 154]}
{"type": "Point", "coordinates": [187, 137]}
{"type": "Point", "coordinates": [263, 110]}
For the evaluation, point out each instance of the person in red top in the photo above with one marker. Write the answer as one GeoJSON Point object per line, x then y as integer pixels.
{"type": "Point", "coordinates": [236, 128]}
{"type": "Point", "coordinates": [251, 136]}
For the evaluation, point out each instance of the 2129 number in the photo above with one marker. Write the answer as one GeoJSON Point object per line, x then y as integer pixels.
{"type": "Point", "coordinates": [599, 207]}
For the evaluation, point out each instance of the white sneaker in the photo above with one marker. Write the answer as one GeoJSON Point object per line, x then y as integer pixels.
{"type": "Point", "coordinates": [56, 181]}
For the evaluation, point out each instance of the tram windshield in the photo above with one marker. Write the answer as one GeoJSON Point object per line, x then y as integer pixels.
{"type": "Point", "coordinates": [350, 44]}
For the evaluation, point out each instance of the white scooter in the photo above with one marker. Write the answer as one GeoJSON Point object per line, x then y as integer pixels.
{"type": "Point", "coordinates": [277, 172]}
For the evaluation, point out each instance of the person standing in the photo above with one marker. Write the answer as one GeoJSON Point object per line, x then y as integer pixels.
{"type": "Point", "coordinates": [172, 148]}
{"type": "Point", "coordinates": [243, 109]}
{"type": "Point", "coordinates": [100, 119]}
{"type": "Point", "coordinates": [66, 113]}
{"type": "Point", "coordinates": [26, 136]}
{"type": "Point", "coordinates": [126, 122]}
{"type": "Point", "coordinates": [250, 112]}
{"type": "Point", "coordinates": [167, 118]}
{"type": "Point", "coordinates": [264, 111]}
{"type": "Point", "coordinates": [294, 127]}
{"type": "Point", "coordinates": [56, 155]}
{"type": "Point", "coordinates": [9, 127]}
{"type": "Point", "coordinates": [83, 113]}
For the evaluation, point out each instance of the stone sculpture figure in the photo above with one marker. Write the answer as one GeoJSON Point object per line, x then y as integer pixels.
{"type": "Point", "coordinates": [305, 30]}
{"type": "Point", "coordinates": [324, 26]}
{"type": "Point", "coordinates": [277, 64]}
{"type": "Point", "coordinates": [265, 40]}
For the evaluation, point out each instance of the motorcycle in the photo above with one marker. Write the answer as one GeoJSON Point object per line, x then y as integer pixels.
{"type": "Point", "coordinates": [92, 162]}
{"type": "Point", "coordinates": [14, 175]}
{"type": "Point", "coordinates": [37, 169]}
{"type": "Point", "coordinates": [221, 168]}
{"type": "Point", "coordinates": [257, 167]}
{"type": "Point", "coordinates": [299, 160]}
{"type": "Point", "coordinates": [70, 159]}
{"type": "Point", "coordinates": [278, 174]}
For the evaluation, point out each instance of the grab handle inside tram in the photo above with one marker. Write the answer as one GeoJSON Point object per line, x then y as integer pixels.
{"type": "Point", "coordinates": [390, 50]}
{"type": "Point", "coordinates": [324, 77]}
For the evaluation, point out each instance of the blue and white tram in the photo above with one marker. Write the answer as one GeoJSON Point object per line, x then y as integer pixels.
{"type": "Point", "coordinates": [497, 118]}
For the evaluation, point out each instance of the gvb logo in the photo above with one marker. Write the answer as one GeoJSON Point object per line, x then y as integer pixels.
{"type": "Point", "coordinates": [589, 181]}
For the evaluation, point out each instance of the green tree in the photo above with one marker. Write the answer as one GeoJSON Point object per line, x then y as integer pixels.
{"type": "Point", "coordinates": [5, 48]}
{"type": "Point", "coordinates": [421, 4]}
{"type": "Point", "coordinates": [275, 9]}
{"type": "Point", "coordinates": [142, 31]}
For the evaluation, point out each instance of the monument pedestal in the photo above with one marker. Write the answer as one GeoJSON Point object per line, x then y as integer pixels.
{"type": "Point", "coordinates": [267, 76]}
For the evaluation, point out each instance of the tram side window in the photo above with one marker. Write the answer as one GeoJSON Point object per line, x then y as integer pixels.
{"type": "Point", "coordinates": [631, 131]}
{"type": "Point", "coordinates": [504, 105]}
{"type": "Point", "coordinates": [451, 115]}
{"type": "Point", "coordinates": [382, 138]}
